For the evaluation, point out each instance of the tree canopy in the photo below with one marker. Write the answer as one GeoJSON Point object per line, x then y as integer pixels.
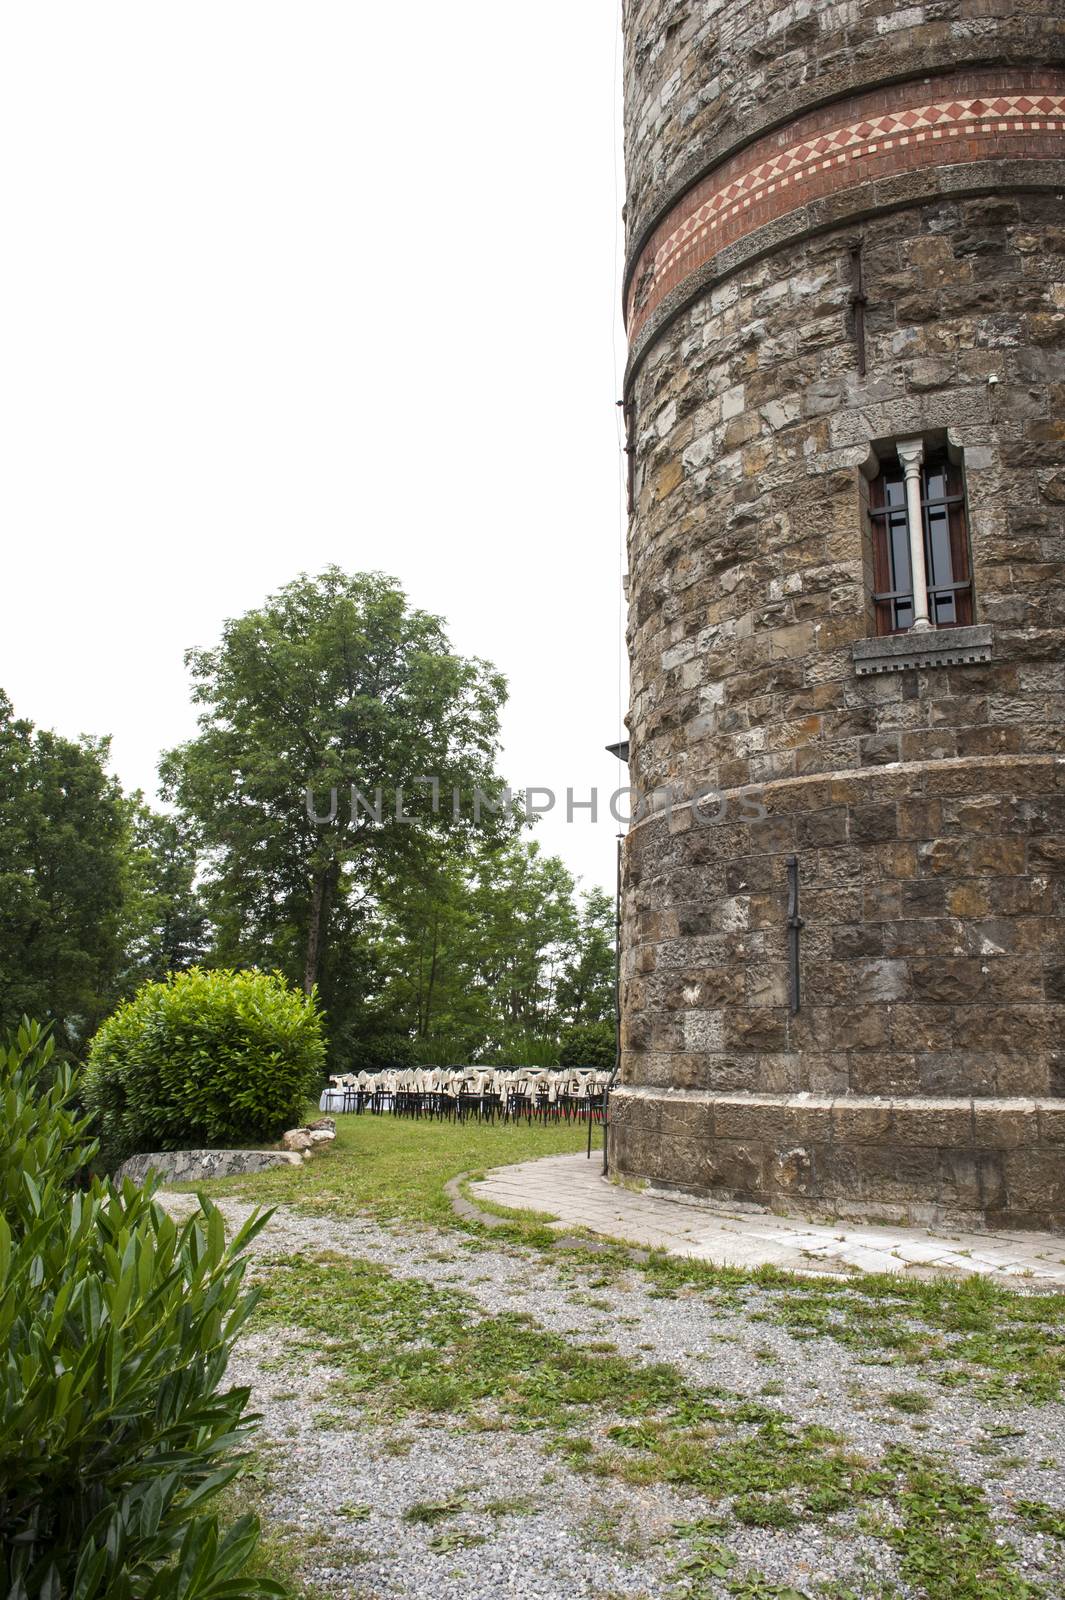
{"type": "Point", "coordinates": [313, 830]}
{"type": "Point", "coordinates": [64, 863]}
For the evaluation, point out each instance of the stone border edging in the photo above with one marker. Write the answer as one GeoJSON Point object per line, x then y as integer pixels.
{"type": "Point", "coordinates": [469, 1212]}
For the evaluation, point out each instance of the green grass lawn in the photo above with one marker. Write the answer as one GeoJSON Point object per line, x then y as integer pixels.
{"type": "Point", "coordinates": [397, 1168]}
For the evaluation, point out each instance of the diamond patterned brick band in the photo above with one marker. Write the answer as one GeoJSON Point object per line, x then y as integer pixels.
{"type": "Point", "coordinates": [983, 116]}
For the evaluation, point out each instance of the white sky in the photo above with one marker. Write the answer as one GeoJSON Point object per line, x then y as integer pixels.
{"type": "Point", "coordinates": [292, 284]}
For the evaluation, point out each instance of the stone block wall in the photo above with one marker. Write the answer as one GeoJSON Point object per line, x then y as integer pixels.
{"type": "Point", "coordinates": [193, 1166]}
{"type": "Point", "coordinates": [923, 1070]}
{"type": "Point", "coordinates": [750, 570]}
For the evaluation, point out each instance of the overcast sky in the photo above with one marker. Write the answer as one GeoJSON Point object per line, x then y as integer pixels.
{"type": "Point", "coordinates": [293, 284]}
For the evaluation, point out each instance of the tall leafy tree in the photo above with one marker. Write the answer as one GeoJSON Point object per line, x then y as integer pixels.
{"type": "Point", "coordinates": [524, 925]}
{"type": "Point", "coordinates": [492, 951]}
{"type": "Point", "coordinates": [335, 683]}
{"type": "Point", "coordinates": [586, 985]}
{"type": "Point", "coordinates": [167, 928]}
{"type": "Point", "coordinates": [64, 876]}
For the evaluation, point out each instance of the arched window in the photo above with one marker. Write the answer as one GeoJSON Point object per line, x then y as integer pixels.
{"type": "Point", "coordinates": [934, 484]}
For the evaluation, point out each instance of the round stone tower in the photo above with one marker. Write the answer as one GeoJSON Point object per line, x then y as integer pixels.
{"type": "Point", "coordinates": [843, 953]}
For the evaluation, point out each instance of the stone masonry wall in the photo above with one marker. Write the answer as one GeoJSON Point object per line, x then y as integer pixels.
{"type": "Point", "coordinates": [932, 1024]}
{"type": "Point", "coordinates": [924, 1070]}
{"type": "Point", "coordinates": [748, 567]}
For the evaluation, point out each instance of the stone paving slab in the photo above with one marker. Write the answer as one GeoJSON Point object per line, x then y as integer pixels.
{"type": "Point", "coordinates": [572, 1190]}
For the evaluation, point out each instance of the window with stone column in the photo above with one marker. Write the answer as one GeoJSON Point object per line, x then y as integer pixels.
{"type": "Point", "coordinates": [922, 575]}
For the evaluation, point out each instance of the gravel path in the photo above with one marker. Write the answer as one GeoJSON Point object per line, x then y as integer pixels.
{"type": "Point", "coordinates": [579, 1535]}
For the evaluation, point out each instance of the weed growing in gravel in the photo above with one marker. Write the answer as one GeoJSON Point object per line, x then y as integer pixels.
{"type": "Point", "coordinates": [405, 1347]}
{"type": "Point", "coordinates": [434, 1510]}
{"type": "Point", "coordinates": [1040, 1517]}
{"type": "Point", "coordinates": [972, 1331]}
{"type": "Point", "coordinates": [910, 1401]}
{"type": "Point", "coordinates": [946, 1541]}
{"type": "Point", "coordinates": [281, 1550]}
{"type": "Point", "coordinates": [603, 1526]}
{"type": "Point", "coordinates": [764, 1511]}
{"type": "Point", "coordinates": [708, 1564]}
{"type": "Point", "coordinates": [518, 1505]}
{"type": "Point", "coordinates": [457, 1539]}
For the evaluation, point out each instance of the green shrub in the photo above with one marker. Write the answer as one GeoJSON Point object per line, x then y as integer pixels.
{"type": "Point", "coordinates": [205, 1058]}
{"type": "Point", "coordinates": [589, 1044]}
{"type": "Point", "coordinates": [115, 1329]}
{"type": "Point", "coordinates": [377, 1052]}
{"type": "Point", "coordinates": [517, 1047]}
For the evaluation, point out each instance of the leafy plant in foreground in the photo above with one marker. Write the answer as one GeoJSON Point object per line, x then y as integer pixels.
{"type": "Point", "coordinates": [115, 1326]}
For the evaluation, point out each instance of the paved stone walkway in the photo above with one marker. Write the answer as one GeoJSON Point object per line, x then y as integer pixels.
{"type": "Point", "coordinates": [573, 1190]}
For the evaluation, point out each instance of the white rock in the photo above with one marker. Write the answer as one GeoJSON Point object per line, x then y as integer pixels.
{"type": "Point", "coordinates": [297, 1139]}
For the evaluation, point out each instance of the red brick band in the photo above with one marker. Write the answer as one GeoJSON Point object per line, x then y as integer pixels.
{"type": "Point", "coordinates": [972, 116]}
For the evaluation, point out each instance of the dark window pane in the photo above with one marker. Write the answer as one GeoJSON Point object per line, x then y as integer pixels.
{"type": "Point", "coordinates": [940, 564]}
{"type": "Point", "coordinates": [899, 549]}
{"type": "Point", "coordinates": [945, 540]}
{"type": "Point", "coordinates": [937, 538]}
{"type": "Point", "coordinates": [935, 483]}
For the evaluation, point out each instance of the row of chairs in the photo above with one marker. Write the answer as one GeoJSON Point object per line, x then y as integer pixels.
{"type": "Point", "coordinates": [457, 1093]}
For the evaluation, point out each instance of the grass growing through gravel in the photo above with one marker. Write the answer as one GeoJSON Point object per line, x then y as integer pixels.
{"type": "Point", "coordinates": [976, 1332]}
{"type": "Point", "coordinates": [404, 1347]}
{"type": "Point", "coordinates": [948, 1546]}
{"type": "Point", "coordinates": [279, 1554]}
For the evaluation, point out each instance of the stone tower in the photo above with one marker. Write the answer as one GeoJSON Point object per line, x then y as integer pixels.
{"type": "Point", "coordinates": [844, 965]}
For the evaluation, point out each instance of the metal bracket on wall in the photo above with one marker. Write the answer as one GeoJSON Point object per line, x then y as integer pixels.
{"type": "Point", "coordinates": [795, 924]}
{"type": "Point", "coordinates": [858, 303]}
{"type": "Point", "coordinates": [628, 412]}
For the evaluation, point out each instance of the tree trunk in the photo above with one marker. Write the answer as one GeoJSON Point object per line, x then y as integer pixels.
{"type": "Point", "coordinates": [432, 973]}
{"type": "Point", "coordinates": [321, 893]}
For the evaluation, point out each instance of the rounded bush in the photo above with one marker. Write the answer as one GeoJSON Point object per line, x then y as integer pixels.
{"type": "Point", "coordinates": [379, 1052]}
{"type": "Point", "coordinates": [589, 1044]}
{"type": "Point", "coordinates": [204, 1058]}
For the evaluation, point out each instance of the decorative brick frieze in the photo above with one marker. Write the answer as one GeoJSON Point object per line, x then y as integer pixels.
{"type": "Point", "coordinates": [968, 118]}
{"type": "Point", "coordinates": [706, 79]}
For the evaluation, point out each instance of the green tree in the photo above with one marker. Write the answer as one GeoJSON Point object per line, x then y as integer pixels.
{"type": "Point", "coordinates": [167, 928]}
{"type": "Point", "coordinates": [64, 877]}
{"type": "Point", "coordinates": [484, 953]}
{"type": "Point", "coordinates": [523, 926]}
{"type": "Point", "coordinates": [586, 985]}
{"type": "Point", "coordinates": [334, 684]}
{"type": "Point", "coordinates": [420, 936]}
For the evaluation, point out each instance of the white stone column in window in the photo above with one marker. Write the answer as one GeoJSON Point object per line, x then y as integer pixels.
{"type": "Point", "coordinates": [911, 455]}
